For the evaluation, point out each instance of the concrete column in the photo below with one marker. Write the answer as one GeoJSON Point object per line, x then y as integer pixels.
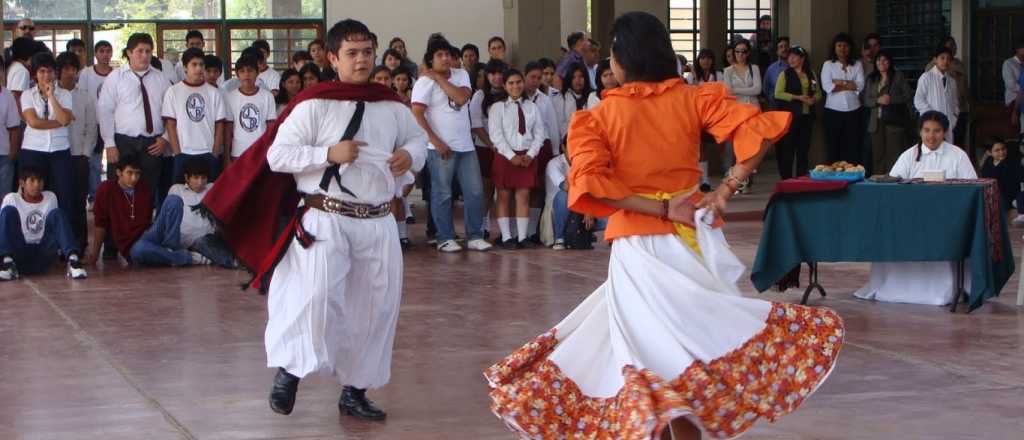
{"type": "Point", "coordinates": [659, 8]}
{"type": "Point", "coordinates": [532, 29]}
{"type": "Point", "coordinates": [602, 15]}
{"type": "Point", "coordinates": [574, 18]}
{"type": "Point", "coordinates": [813, 24]}
{"type": "Point", "coordinates": [960, 29]}
{"type": "Point", "coordinates": [713, 28]}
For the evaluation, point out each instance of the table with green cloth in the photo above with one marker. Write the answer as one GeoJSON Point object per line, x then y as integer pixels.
{"type": "Point", "coordinates": [889, 222]}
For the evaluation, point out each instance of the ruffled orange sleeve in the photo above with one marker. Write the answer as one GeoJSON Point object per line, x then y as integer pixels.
{"type": "Point", "coordinates": [726, 119]}
{"type": "Point", "coordinates": [590, 172]}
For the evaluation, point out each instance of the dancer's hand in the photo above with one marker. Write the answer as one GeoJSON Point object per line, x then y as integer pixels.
{"type": "Point", "coordinates": [344, 152]}
{"type": "Point", "coordinates": [400, 162]}
{"type": "Point", "coordinates": [680, 210]}
{"type": "Point", "coordinates": [716, 200]}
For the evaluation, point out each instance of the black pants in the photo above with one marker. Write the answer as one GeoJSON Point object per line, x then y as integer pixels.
{"type": "Point", "coordinates": [796, 142]}
{"type": "Point", "coordinates": [844, 136]}
{"type": "Point", "coordinates": [960, 134]}
{"type": "Point", "coordinates": [79, 221]}
{"type": "Point", "coordinates": [138, 146]}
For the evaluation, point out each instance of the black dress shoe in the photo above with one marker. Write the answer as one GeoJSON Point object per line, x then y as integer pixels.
{"type": "Point", "coordinates": [354, 403]}
{"type": "Point", "coordinates": [527, 244]}
{"type": "Point", "coordinates": [535, 239]}
{"type": "Point", "coordinates": [510, 245]}
{"type": "Point", "coordinates": [282, 394]}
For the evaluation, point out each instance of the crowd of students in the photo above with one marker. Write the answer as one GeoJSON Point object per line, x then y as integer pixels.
{"type": "Point", "coordinates": [497, 133]}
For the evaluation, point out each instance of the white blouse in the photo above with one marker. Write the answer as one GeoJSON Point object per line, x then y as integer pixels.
{"type": "Point", "coordinates": [503, 127]}
{"type": "Point", "coordinates": [846, 100]}
{"type": "Point", "coordinates": [746, 87]}
{"type": "Point", "coordinates": [948, 158]}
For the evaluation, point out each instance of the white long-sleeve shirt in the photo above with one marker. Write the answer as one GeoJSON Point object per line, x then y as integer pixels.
{"type": "Point", "coordinates": [554, 175]}
{"type": "Point", "coordinates": [948, 158]}
{"type": "Point", "coordinates": [83, 130]}
{"type": "Point", "coordinates": [745, 87]}
{"type": "Point", "coordinates": [120, 110]}
{"type": "Point", "coordinates": [503, 127]}
{"type": "Point", "coordinates": [547, 114]}
{"type": "Point", "coordinates": [193, 225]}
{"type": "Point", "coordinates": [565, 107]}
{"type": "Point", "coordinates": [1011, 71]}
{"type": "Point", "coordinates": [846, 100]}
{"type": "Point", "coordinates": [315, 125]}
{"type": "Point", "coordinates": [935, 94]}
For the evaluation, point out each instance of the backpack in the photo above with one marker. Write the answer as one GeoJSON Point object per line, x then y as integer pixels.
{"type": "Point", "coordinates": [577, 236]}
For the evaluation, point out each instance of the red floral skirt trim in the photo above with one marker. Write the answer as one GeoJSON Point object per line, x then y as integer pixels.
{"type": "Point", "coordinates": [767, 377]}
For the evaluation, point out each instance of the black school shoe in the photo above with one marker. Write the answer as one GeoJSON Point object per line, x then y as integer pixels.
{"type": "Point", "coordinates": [353, 402]}
{"type": "Point", "coordinates": [282, 394]}
{"type": "Point", "coordinates": [510, 245]}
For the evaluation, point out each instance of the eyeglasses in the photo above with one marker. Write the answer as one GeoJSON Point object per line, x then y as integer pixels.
{"type": "Point", "coordinates": [27, 28]}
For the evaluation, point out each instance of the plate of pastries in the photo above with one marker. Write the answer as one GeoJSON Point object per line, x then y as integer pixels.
{"type": "Point", "coordinates": [841, 170]}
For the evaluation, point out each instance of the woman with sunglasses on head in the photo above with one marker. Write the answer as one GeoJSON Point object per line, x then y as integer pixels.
{"type": "Point", "coordinates": [743, 80]}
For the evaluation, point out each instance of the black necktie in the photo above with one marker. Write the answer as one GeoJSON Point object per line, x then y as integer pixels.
{"type": "Point", "coordinates": [943, 82]}
{"type": "Point", "coordinates": [145, 102]}
{"type": "Point", "coordinates": [522, 118]}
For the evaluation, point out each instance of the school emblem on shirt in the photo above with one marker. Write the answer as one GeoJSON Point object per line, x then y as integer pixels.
{"type": "Point", "coordinates": [34, 222]}
{"type": "Point", "coordinates": [249, 117]}
{"type": "Point", "coordinates": [195, 106]}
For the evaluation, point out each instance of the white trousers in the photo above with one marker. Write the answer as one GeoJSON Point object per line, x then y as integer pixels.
{"type": "Point", "coordinates": [333, 307]}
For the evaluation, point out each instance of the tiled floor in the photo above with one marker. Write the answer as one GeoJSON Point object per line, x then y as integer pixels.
{"type": "Point", "coordinates": [178, 353]}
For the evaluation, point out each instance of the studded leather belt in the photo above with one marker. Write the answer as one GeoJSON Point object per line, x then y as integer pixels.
{"type": "Point", "coordinates": [348, 209]}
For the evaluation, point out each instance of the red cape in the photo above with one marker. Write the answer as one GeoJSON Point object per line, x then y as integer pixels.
{"type": "Point", "coordinates": [249, 199]}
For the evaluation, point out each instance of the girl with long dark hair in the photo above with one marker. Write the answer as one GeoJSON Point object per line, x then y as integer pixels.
{"type": "Point", "coordinates": [575, 89]}
{"type": "Point", "coordinates": [796, 91]}
{"type": "Point", "coordinates": [667, 346]}
{"type": "Point", "coordinates": [842, 78]}
{"type": "Point", "coordinates": [887, 95]}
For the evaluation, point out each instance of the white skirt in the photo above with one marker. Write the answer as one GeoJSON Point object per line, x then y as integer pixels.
{"type": "Point", "coordinates": [667, 335]}
{"type": "Point", "coordinates": [928, 283]}
{"type": "Point", "coordinates": [334, 306]}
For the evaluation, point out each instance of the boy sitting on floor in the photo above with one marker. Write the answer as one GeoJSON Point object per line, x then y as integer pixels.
{"type": "Point", "coordinates": [34, 231]}
{"type": "Point", "coordinates": [123, 208]}
{"type": "Point", "coordinates": [180, 226]}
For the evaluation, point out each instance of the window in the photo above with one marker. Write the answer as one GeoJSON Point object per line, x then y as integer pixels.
{"type": "Point", "coordinates": [39, 10]}
{"type": "Point", "coordinates": [171, 37]}
{"type": "Point", "coordinates": [284, 40]}
{"type": "Point", "coordinates": [155, 9]}
{"type": "Point", "coordinates": [911, 30]}
{"type": "Point", "coordinates": [684, 22]}
{"type": "Point", "coordinates": [54, 36]}
{"type": "Point", "coordinates": [278, 9]}
{"type": "Point", "coordinates": [684, 27]}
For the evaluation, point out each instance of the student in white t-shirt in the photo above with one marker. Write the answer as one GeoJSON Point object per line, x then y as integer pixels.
{"type": "Point", "coordinates": [180, 235]}
{"type": "Point", "coordinates": [214, 70]}
{"type": "Point", "coordinates": [270, 78]}
{"type": "Point", "coordinates": [46, 110]}
{"type": "Point", "coordinates": [82, 134]}
{"type": "Point", "coordinates": [10, 118]}
{"type": "Point", "coordinates": [33, 230]}
{"type": "Point", "coordinates": [193, 113]}
{"type": "Point", "coordinates": [250, 109]}
{"type": "Point", "coordinates": [19, 79]}
{"type": "Point", "coordinates": [439, 103]}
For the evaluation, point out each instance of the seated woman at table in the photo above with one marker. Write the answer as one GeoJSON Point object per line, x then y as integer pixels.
{"type": "Point", "coordinates": [925, 282]}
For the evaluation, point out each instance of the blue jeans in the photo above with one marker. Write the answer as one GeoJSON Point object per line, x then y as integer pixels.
{"type": "Point", "coordinates": [560, 215]}
{"type": "Point", "coordinates": [6, 175]}
{"type": "Point", "coordinates": [95, 171]}
{"type": "Point", "coordinates": [214, 248]}
{"type": "Point", "coordinates": [37, 257]}
{"type": "Point", "coordinates": [161, 244]}
{"type": "Point", "coordinates": [466, 166]}
{"type": "Point", "coordinates": [60, 174]}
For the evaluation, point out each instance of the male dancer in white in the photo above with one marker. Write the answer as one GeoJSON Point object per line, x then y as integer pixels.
{"type": "Point", "coordinates": [333, 299]}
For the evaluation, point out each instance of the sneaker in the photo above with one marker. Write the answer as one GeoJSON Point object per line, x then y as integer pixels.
{"type": "Point", "coordinates": [479, 244]}
{"type": "Point", "coordinates": [559, 245]}
{"type": "Point", "coordinates": [406, 244]}
{"type": "Point", "coordinates": [1019, 220]}
{"type": "Point", "coordinates": [8, 270]}
{"type": "Point", "coordinates": [449, 246]}
{"type": "Point", "coordinates": [75, 269]}
{"type": "Point", "coordinates": [509, 245]}
{"type": "Point", "coordinates": [199, 259]}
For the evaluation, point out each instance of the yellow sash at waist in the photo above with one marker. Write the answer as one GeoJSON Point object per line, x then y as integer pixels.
{"type": "Point", "coordinates": [685, 233]}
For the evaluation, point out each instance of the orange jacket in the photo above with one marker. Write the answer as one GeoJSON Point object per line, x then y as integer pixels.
{"type": "Point", "coordinates": [644, 138]}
